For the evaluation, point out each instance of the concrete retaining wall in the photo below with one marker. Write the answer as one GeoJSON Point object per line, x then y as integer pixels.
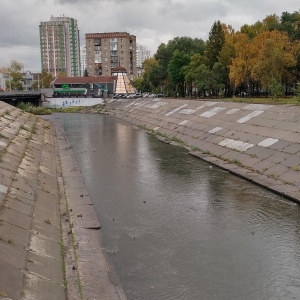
{"type": "Point", "coordinates": [71, 102]}
{"type": "Point", "coordinates": [49, 232]}
{"type": "Point", "coordinates": [258, 142]}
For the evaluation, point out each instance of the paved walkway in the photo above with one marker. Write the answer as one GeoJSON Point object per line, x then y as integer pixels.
{"type": "Point", "coordinates": [258, 142]}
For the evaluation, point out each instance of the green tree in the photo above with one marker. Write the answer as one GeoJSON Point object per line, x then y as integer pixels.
{"type": "Point", "coordinates": [176, 71]}
{"type": "Point", "coordinates": [290, 23]}
{"type": "Point", "coordinates": [15, 76]}
{"type": "Point", "coordinates": [46, 78]}
{"type": "Point", "coordinates": [190, 71]}
{"type": "Point", "coordinates": [35, 86]}
{"type": "Point", "coordinates": [252, 30]}
{"type": "Point", "coordinates": [150, 82]}
{"type": "Point", "coordinates": [271, 22]}
{"type": "Point", "coordinates": [275, 87]}
{"type": "Point", "coordinates": [215, 43]}
{"type": "Point", "coordinates": [165, 53]}
{"type": "Point", "coordinates": [138, 83]}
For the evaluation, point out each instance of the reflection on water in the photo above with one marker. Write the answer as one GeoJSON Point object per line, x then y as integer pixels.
{"type": "Point", "coordinates": [174, 228]}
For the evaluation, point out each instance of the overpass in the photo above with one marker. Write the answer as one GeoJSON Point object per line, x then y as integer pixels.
{"type": "Point", "coordinates": [14, 97]}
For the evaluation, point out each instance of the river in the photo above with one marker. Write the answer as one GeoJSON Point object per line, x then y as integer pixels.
{"type": "Point", "coordinates": [174, 227]}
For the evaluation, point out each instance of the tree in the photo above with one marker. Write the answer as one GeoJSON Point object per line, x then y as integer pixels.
{"type": "Point", "coordinates": [275, 87]}
{"type": "Point", "coordinates": [274, 55]}
{"type": "Point", "coordinates": [149, 82]}
{"type": "Point", "coordinates": [226, 57]}
{"type": "Point", "coordinates": [190, 70]}
{"type": "Point", "coordinates": [252, 30]}
{"type": "Point", "coordinates": [176, 70]}
{"type": "Point", "coordinates": [216, 40]}
{"type": "Point", "coordinates": [35, 86]}
{"type": "Point", "coordinates": [138, 83]}
{"type": "Point", "coordinates": [240, 69]}
{"type": "Point", "coordinates": [271, 22]}
{"type": "Point", "coordinates": [290, 23]}
{"type": "Point", "coordinates": [165, 53]}
{"type": "Point", "coordinates": [15, 76]}
{"type": "Point", "coordinates": [46, 78]}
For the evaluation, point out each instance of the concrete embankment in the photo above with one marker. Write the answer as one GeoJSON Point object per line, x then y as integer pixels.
{"type": "Point", "coordinates": [260, 143]}
{"type": "Point", "coordinates": [49, 232]}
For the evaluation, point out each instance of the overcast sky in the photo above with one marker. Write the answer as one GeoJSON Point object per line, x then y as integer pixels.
{"type": "Point", "coordinates": [152, 21]}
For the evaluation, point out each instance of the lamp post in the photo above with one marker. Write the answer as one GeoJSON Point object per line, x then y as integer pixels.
{"type": "Point", "coordinates": [9, 81]}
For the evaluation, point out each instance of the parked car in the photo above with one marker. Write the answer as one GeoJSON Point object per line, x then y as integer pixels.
{"type": "Point", "coordinates": [160, 95]}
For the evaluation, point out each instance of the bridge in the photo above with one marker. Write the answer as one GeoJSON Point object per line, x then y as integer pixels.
{"type": "Point", "coordinates": [14, 97]}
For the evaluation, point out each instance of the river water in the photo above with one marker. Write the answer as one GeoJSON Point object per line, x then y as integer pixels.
{"type": "Point", "coordinates": [176, 228]}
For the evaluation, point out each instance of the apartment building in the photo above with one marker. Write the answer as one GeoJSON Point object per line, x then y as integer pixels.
{"type": "Point", "coordinates": [142, 53]}
{"type": "Point", "coordinates": [83, 66]}
{"type": "Point", "coordinates": [60, 46]}
{"type": "Point", "coordinates": [105, 51]}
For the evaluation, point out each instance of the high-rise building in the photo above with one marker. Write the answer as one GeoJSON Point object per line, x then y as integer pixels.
{"type": "Point", "coordinates": [141, 54]}
{"type": "Point", "coordinates": [83, 60]}
{"type": "Point", "coordinates": [59, 41]}
{"type": "Point", "coordinates": [105, 51]}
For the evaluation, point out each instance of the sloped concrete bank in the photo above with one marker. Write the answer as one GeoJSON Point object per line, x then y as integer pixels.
{"type": "Point", "coordinates": [49, 245]}
{"type": "Point", "coordinates": [260, 143]}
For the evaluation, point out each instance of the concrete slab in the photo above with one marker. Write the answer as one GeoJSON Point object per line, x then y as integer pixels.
{"type": "Point", "coordinates": [292, 161]}
{"type": "Point", "coordinates": [37, 287]}
{"type": "Point", "coordinates": [49, 268]}
{"type": "Point", "coordinates": [16, 218]}
{"type": "Point", "coordinates": [19, 206]}
{"type": "Point", "coordinates": [46, 207]}
{"type": "Point", "coordinates": [276, 171]}
{"type": "Point", "coordinates": [84, 216]}
{"type": "Point", "coordinates": [292, 176]}
{"type": "Point", "coordinates": [293, 148]}
{"type": "Point", "coordinates": [19, 195]}
{"type": "Point", "coordinates": [44, 246]}
{"type": "Point", "coordinates": [11, 284]}
{"type": "Point", "coordinates": [13, 234]}
{"type": "Point", "coordinates": [261, 152]}
{"type": "Point", "coordinates": [293, 137]}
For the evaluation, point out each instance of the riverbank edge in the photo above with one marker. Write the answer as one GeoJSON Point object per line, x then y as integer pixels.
{"type": "Point", "coordinates": [50, 238]}
{"type": "Point", "coordinates": [88, 273]}
{"type": "Point", "coordinates": [138, 115]}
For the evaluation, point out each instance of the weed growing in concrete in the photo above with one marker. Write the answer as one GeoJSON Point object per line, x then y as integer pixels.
{"type": "Point", "coordinates": [33, 129]}
{"type": "Point", "coordinates": [194, 148]}
{"type": "Point", "coordinates": [206, 152]}
{"type": "Point", "coordinates": [177, 140]}
{"type": "Point", "coordinates": [48, 221]}
{"type": "Point", "coordinates": [296, 168]}
{"type": "Point", "coordinates": [237, 162]}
